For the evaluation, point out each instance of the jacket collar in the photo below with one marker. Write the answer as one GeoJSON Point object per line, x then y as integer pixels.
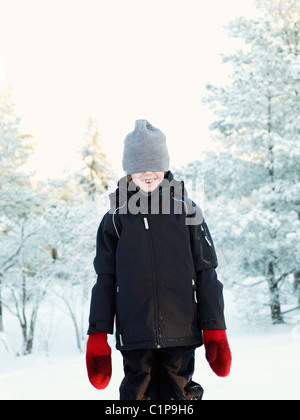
{"type": "Point", "coordinates": [125, 191]}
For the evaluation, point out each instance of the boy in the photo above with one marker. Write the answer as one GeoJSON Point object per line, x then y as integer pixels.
{"type": "Point", "coordinates": [155, 263]}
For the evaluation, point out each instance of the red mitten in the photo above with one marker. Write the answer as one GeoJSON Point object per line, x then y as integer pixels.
{"type": "Point", "coordinates": [217, 350]}
{"type": "Point", "coordinates": [98, 360]}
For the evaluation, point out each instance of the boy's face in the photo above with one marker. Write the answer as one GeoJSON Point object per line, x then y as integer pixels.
{"type": "Point", "coordinates": [148, 181]}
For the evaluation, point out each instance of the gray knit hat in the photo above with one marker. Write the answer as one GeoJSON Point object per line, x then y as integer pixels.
{"type": "Point", "coordinates": [145, 149]}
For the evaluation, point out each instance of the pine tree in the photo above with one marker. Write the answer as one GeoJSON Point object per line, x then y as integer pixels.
{"type": "Point", "coordinates": [257, 117]}
{"type": "Point", "coordinates": [24, 260]}
{"type": "Point", "coordinates": [15, 149]}
{"type": "Point", "coordinates": [96, 175]}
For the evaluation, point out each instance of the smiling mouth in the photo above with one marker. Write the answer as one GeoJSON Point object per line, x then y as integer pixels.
{"type": "Point", "coordinates": [149, 181]}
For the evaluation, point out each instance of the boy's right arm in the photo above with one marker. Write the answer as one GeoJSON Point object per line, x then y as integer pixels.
{"type": "Point", "coordinates": [102, 309]}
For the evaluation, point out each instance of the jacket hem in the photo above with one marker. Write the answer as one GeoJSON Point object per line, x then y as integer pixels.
{"type": "Point", "coordinates": [168, 342]}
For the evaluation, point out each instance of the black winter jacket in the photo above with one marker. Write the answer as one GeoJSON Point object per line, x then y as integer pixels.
{"type": "Point", "coordinates": [156, 272]}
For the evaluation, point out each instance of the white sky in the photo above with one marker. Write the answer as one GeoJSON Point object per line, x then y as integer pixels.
{"type": "Point", "coordinates": [118, 60]}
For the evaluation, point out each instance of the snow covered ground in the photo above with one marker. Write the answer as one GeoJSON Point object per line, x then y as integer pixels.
{"type": "Point", "coordinates": [265, 365]}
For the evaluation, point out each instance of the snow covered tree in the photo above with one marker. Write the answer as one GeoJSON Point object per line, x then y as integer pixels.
{"type": "Point", "coordinates": [15, 149]}
{"type": "Point", "coordinates": [73, 232]}
{"type": "Point", "coordinates": [257, 118]}
{"type": "Point", "coordinates": [23, 256]}
{"type": "Point", "coordinates": [97, 174]}
{"type": "Point", "coordinates": [27, 278]}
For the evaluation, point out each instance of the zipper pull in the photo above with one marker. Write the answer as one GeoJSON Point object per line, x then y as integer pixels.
{"type": "Point", "coordinates": [146, 223]}
{"type": "Point", "coordinates": [121, 340]}
{"type": "Point", "coordinates": [205, 236]}
{"type": "Point", "coordinates": [194, 291]}
{"type": "Point", "coordinates": [195, 297]}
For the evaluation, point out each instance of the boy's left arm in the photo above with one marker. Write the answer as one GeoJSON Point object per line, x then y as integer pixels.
{"type": "Point", "coordinates": [210, 300]}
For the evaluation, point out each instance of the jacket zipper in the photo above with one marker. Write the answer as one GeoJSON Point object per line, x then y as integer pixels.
{"type": "Point", "coordinates": [146, 224]}
{"type": "Point", "coordinates": [209, 243]}
{"type": "Point", "coordinates": [118, 324]}
{"type": "Point", "coordinates": [205, 235]}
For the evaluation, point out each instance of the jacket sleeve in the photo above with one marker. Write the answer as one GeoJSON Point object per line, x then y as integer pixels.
{"type": "Point", "coordinates": [210, 301]}
{"type": "Point", "coordinates": [209, 288]}
{"type": "Point", "coordinates": [102, 308]}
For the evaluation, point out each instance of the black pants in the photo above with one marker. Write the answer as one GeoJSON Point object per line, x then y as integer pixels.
{"type": "Point", "coordinates": [160, 374]}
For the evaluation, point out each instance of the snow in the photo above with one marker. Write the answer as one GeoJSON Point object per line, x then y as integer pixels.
{"type": "Point", "coordinates": [265, 367]}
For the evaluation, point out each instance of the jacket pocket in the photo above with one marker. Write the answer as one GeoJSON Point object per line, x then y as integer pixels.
{"type": "Point", "coordinates": [207, 255]}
